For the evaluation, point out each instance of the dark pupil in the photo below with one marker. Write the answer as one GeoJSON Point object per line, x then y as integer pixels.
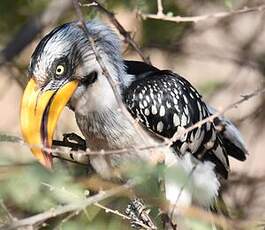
{"type": "Point", "coordinates": [59, 70]}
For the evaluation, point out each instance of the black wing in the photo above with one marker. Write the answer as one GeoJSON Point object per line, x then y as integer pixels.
{"type": "Point", "coordinates": [163, 102]}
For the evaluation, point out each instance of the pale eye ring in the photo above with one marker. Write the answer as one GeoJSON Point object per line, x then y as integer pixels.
{"type": "Point", "coordinates": [60, 70]}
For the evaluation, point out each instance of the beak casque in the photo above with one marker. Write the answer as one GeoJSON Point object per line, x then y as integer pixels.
{"type": "Point", "coordinates": [39, 114]}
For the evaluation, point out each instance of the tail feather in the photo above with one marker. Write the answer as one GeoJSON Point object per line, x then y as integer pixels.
{"type": "Point", "coordinates": [233, 141]}
{"type": "Point", "coordinates": [219, 207]}
{"type": "Point", "coordinates": [231, 137]}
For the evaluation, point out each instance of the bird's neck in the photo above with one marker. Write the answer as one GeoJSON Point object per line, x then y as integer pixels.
{"type": "Point", "coordinates": [97, 110]}
{"type": "Point", "coordinates": [106, 129]}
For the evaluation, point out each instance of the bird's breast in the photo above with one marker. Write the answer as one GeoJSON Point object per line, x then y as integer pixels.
{"type": "Point", "coordinates": [110, 131]}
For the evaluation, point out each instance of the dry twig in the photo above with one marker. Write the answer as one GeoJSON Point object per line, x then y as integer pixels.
{"type": "Point", "coordinates": [64, 155]}
{"type": "Point", "coordinates": [127, 36]}
{"type": "Point", "coordinates": [178, 19]}
{"type": "Point", "coordinates": [38, 219]}
{"type": "Point", "coordinates": [106, 209]}
{"type": "Point", "coordinates": [113, 83]}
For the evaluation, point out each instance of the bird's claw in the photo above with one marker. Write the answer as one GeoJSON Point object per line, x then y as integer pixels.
{"type": "Point", "coordinates": [74, 138]}
{"type": "Point", "coordinates": [69, 137]}
{"type": "Point", "coordinates": [73, 141]}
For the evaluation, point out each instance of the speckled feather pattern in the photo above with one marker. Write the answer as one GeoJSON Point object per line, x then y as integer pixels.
{"type": "Point", "coordinates": [164, 102]}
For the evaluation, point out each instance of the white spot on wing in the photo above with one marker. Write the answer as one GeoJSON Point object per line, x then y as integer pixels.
{"type": "Point", "coordinates": [160, 126]}
{"type": "Point", "coordinates": [199, 106]}
{"type": "Point", "coordinates": [162, 111]}
{"type": "Point", "coordinates": [147, 112]}
{"type": "Point", "coordinates": [154, 110]}
{"type": "Point", "coordinates": [183, 120]}
{"type": "Point", "coordinates": [145, 103]}
{"type": "Point", "coordinates": [176, 120]}
{"type": "Point", "coordinates": [147, 98]}
{"type": "Point", "coordinates": [185, 99]}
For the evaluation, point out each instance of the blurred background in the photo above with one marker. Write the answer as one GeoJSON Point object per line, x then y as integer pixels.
{"type": "Point", "coordinates": [223, 58]}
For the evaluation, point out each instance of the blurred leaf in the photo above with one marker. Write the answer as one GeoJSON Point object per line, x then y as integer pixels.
{"type": "Point", "coordinates": [228, 4]}
{"type": "Point", "coordinates": [26, 188]}
{"type": "Point", "coordinates": [15, 13]}
{"type": "Point", "coordinates": [210, 87]}
{"type": "Point", "coordinates": [197, 224]}
{"type": "Point", "coordinates": [170, 14]}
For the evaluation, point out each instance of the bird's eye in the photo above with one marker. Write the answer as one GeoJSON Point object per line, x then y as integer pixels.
{"type": "Point", "coordinates": [60, 70]}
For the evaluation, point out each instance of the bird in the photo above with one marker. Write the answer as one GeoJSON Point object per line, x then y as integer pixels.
{"type": "Point", "coordinates": [64, 71]}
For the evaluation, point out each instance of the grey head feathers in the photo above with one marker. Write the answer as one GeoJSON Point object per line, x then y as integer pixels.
{"type": "Point", "coordinates": [69, 41]}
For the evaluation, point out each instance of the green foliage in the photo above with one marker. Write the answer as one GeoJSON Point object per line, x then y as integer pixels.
{"type": "Point", "coordinates": [228, 3]}
{"type": "Point", "coordinates": [15, 13]}
{"type": "Point", "coordinates": [31, 189]}
{"type": "Point", "coordinates": [154, 30]}
{"type": "Point", "coordinates": [197, 224]}
{"type": "Point", "coordinates": [27, 188]}
{"type": "Point", "coordinates": [210, 87]}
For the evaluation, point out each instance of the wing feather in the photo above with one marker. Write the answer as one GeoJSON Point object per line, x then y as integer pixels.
{"type": "Point", "coordinates": [163, 102]}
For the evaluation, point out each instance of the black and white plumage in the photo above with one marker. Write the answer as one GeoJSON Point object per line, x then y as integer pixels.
{"type": "Point", "coordinates": [165, 102]}
{"type": "Point", "coordinates": [161, 100]}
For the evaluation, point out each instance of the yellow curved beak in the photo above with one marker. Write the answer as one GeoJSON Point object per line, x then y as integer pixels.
{"type": "Point", "coordinates": [39, 114]}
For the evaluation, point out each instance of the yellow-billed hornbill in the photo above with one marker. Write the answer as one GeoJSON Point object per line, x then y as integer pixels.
{"type": "Point", "coordinates": [64, 71]}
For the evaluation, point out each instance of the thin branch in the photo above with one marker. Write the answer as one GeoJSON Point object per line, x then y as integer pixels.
{"type": "Point", "coordinates": [183, 131]}
{"type": "Point", "coordinates": [194, 19]}
{"type": "Point", "coordinates": [9, 215]}
{"type": "Point", "coordinates": [107, 210]}
{"type": "Point", "coordinates": [81, 156]}
{"type": "Point", "coordinates": [127, 36]}
{"type": "Point", "coordinates": [117, 213]}
{"type": "Point", "coordinates": [160, 7]}
{"type": "Point", "coordinates": [113, 83]}
{"type": "Point", "coordinates": [211, 118]}
{"type": "Point", "coordinates": [38, 219]}
{"type": "Point", "coordinates": [67, 218]}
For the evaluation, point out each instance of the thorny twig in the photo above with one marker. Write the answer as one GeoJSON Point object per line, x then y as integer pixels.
{"type": "Point", "coordinates": [178, 19]}
{"type": "Point", "coordinates": [180, 133]}
{"type": "Point", "coordinates": [168, 142]}
{"type": "Point", "coordinates": [160, 7]}
{"type": "Point", "coordinates": [176, 136]}
{"type": "Point", "coordinates": [106, 209]}
{"type": "Point", "coordinates": [113, 83]}
{"type": "Point", "coordinates": [38, 219]}
{"type": "Point", "coordinates": [9, 215]}
{"type": "Point", "coordinates": [209, 119]}
{"type": "Point", "coordinates": [127, 35]}
{"type": "Point", "coordinates": [116, 212]}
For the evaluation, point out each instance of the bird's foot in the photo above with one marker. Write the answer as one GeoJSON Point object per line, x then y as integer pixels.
{"type": "Point", "coordinates": [139, 215]}
{"type": "Point", "coordinates": [69, 137]}
{"type": "Point", "coordinates": [71, 140]}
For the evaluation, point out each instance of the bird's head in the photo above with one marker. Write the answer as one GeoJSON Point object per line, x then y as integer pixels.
{"type": "Point", "coordinates": [62, 69]}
